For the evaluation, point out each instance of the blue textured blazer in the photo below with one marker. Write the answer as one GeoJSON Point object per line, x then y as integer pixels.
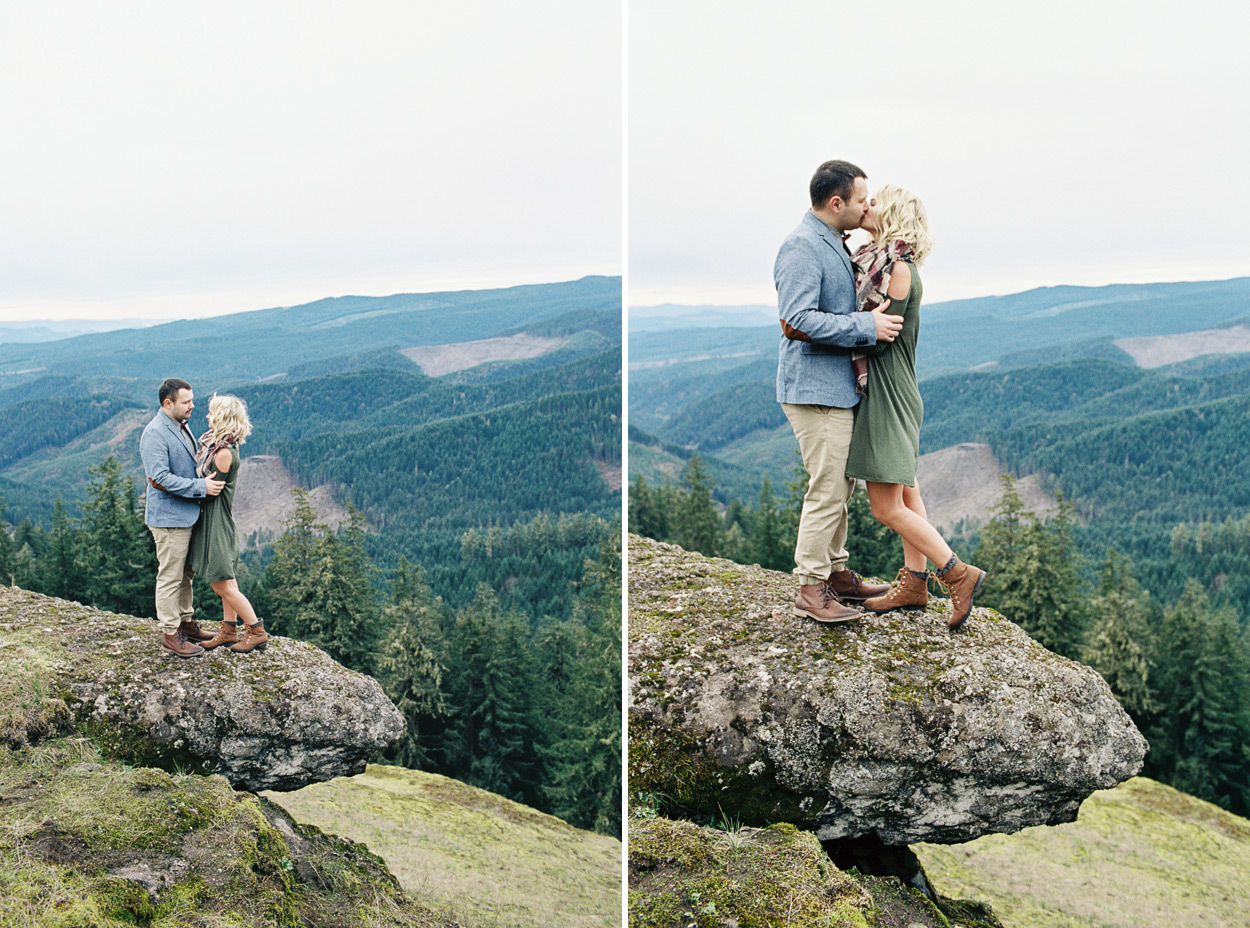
{"type": "Point", "coordinates": [168, 461]}
{"type": "Point", "coordinates": [816, 300]}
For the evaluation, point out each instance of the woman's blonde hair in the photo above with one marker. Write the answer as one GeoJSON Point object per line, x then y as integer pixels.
{"type": "Point", "coordinates": [229, 417]}
{"type": "Point", "coordinates": [901, 217]}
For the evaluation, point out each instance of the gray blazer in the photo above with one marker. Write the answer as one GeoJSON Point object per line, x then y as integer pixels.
{"type": "Point", "coordinates": [169, 460]}
{"type": "Point", "coordinates": [816, 298]}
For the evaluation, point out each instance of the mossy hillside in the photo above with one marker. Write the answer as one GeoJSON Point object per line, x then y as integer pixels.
{"type": "Point", "coordinates": [685, 876]}
{"type": "Point", "coordinates": [89, 843]}
{"type": "Point", "coordinates": [482, 858]}
{"type": "Point", "coordinates": [1142, 855]}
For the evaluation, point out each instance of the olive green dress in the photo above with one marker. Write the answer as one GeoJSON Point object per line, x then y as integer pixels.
{"type": "Point", "coordinates": [214, 551]}
{"type": "Point", "coordinates": [885, 445]}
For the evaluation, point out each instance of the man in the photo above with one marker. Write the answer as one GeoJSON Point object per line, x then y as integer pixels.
{"type": "Point", "coordinates": [815, 383]}
{"type": "Point", "coordinates": [168, 453]}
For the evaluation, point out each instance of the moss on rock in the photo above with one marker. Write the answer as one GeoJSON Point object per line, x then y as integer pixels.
{"type": "Point", "coordinates": [683, 875]}
{"type": "Point", "coordinates": [89, 842]}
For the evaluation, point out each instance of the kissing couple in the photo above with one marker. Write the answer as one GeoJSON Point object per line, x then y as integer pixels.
{"type": "Point", "coordinates": [846, 380]}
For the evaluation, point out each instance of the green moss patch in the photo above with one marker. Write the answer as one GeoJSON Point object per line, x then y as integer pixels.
{"type": "Point", "coordinates": [682, 875]}
{"type": "Point", "coordinates": [89, 842]}
{"type": "Point", "coordinates": [476, 856]}
{"type": "Point", "coordinates": [1140, 854]}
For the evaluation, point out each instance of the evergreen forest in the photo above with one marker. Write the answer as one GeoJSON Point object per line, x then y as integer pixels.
{"type": "Point", "coordinates": [478, 577]}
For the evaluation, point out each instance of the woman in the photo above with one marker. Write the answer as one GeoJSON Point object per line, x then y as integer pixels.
{"type": "Point", "coordinates": [214, 551]}
{"type": "Point", "coordinates": [885, 445]}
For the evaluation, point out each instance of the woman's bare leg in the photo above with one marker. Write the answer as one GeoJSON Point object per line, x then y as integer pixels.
{"type": "Point", "coordinates": [889, 509]}
{"type": "Point", "coordinates": [233, 600]}
{"type": "Point", "coordinates": [913, 557]}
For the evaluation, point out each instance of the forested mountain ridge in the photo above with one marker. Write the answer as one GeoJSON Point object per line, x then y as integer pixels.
{"type": "Point", "coordinates": [270, 342]}
{"type": "Point", "coordinates": [481, 497]}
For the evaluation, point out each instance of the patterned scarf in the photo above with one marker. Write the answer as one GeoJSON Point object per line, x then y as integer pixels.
{"type": "Point", "coordinates": [872, 280]}
{"type": "Point", "coordinates": [209, 446]}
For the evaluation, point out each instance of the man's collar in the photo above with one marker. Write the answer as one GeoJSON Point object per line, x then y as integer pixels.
{"type": "Point", "coordinates": [838, 232]}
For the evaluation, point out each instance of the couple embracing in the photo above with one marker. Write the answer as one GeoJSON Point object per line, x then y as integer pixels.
{"type": "Point", "coordinates": [846, 379]}
{"type": "Point", "coordinates": [189, 512]}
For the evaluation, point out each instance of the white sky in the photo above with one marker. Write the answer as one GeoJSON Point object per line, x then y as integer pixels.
{"type": "Point", "coordinates": [167, 159]}
{"type": "Point", "coordinates": [1062, 142]}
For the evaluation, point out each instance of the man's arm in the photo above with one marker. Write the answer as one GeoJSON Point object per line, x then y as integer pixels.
{"type": "Point", "coordinates": [155, 454]}
{"type": "Point", "coordinates": [797, 274]}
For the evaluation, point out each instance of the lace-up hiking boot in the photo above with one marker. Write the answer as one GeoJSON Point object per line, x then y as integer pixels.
{"type": "Point", "coordinates": [846, 584]}
{"type": "Point", "coordinates": [176, 644]}
{"type": "Point", "coordinates": [816, 602]}
{"type": "Point", "coordinates": [910, 590]}
{"type": "Point", "coordinates": [190, 630]}
{"type": "Point", "coordinates": [961, 581]}
{"type": "Point", "coordinates": [227, 634]}
{"type": "Point", "coordinates": [254, 638]}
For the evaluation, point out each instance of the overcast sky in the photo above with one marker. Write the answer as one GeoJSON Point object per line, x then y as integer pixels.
{"type": "Point", "coordinates": [1052, 143]}
{"type": "Point", "coordinates": [172, 159]}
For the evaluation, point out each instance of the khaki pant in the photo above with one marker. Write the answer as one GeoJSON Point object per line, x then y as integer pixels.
{"type": "Point", "coordinates": [824, 434]}
{"type": "Point", "coordinates": [173, 577]}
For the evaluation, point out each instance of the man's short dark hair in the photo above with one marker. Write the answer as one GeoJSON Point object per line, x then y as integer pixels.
{"type": "Point", "coordinates": [169, 389]}
{"type": "Point", "coordinates": [834, 179]}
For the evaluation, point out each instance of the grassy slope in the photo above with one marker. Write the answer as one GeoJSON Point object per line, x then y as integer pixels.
{"type": "Point", "coordinates": [489, 860]}
{"type": "Point", "coordinates": [1142, 855]}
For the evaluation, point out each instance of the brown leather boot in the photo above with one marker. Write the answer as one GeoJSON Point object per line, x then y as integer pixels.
{"type": "Point", "coordinates": [176, 644]}
{"type": "Point", "coordinates": [846, 584]}
{"type": "Point", "coordinates": [816, 602]}
{"type": "Point", "coordinates": [909, 590]}
{"type": "Point", "coordinates": [254, 638]}
{"type": "Point", "coordinates": [190, 630]}
{"type": "Point", "coordinates": [961, 581]}
{"type": "Point", "coordinates": [227, 634]}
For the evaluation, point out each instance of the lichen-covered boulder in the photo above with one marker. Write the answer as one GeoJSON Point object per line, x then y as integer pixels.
{"type": "Point", "coordinates": [683, 875]}
{"type": "Point", "coordinates": [889, 725]}
{"type": "Point", "coordinates": [278, 719]}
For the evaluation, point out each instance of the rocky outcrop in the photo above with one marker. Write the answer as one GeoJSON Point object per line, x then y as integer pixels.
{"type": "Point", "coordinates": [280, 719]}
{"type": "Point", "coordinates": [889, 726]}
{"type": "Point", "coordinates": [681, 874]}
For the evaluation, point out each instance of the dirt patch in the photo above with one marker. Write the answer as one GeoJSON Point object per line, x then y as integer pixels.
{"type": "Point", "coordinates": [611, 474]}
{"type": "Point", "coordinates": [263, 501]}
{"type": "Point", "coordinates": [961, 483]}
{"type": "Point", "coordinates": [437, 360]}
{"type": "Point", "coordinates": [1158, 350]}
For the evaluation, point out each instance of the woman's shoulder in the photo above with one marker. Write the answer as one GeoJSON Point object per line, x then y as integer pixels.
{"type": "Point", "coordinates": [901, 274]}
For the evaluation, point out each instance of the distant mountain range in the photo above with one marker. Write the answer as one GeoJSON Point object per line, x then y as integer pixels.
{"type": "Point", "coordinates": [51, 330]}
{"type": "Point", "coordinates": [523, 420]}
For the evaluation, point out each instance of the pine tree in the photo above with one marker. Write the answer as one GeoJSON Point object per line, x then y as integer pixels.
{"type": "Point", "coordinates": [117, 555]}
{"type": "Point", "coordinates": [1120, 644]}
{"type": "Point", "coordinates": [648, 514]}
{"type": "Point", "coordinates": [411, 669]}
{"type": "Point", "coordinates": [8, 552]}
{"type": "Point", "coordinates": [490, 740]}
{"type": "Point", "coordinates": [1203, 726]}
{"type": "Point", "coordinates": [320, 587]}
{"type": "Point", "coordinates": [696, 523]}
{"type": "Point", "coordinates": [58, 571]}
{"type": "Point", "coordinates": [770, 549]}
{"type": "Point", "coordinates": [1033, 575]}
{"type": "Point", "coordinates": [583, 781]}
